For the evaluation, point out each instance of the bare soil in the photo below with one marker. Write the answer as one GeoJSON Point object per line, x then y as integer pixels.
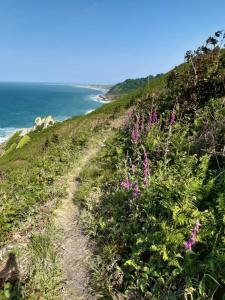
{"type": "Point", "coordinates": [75, 252]}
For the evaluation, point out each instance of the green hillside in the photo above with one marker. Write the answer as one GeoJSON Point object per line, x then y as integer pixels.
{"type": "Point", "coordinates": [159, 216]}
{"type": "Point", "coordinates": [129, 85]}
{"type": "Point", "coordinates": [152, 199]}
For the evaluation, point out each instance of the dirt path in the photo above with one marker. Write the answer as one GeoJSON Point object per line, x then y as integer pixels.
{"type": "Point", "coordinates": [75, 253]}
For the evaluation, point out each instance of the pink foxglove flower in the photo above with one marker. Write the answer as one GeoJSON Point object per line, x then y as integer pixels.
{"type": "Point", "coordinates": [126, 184]}
{"type": "Point", "coordinates": [133, 168]}
{"type": "Point", "coordinates": [172, 118]}
{"type": "Point", "coordinates": [146, 168]}
{"type": "Point", "coordinates": [135, 133]}
{"type": "Point", "coordinates": [152, 119]}
{"type": "Point", "coordinates": [192, 240]}
{"type": "Point", "coordinates": [136, 192]}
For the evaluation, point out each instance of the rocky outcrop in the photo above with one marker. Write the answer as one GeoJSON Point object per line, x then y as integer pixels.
{"type": "Point", "coordinates": [45, 122]}
{"type": "Point", "coordinates": [39, 123]}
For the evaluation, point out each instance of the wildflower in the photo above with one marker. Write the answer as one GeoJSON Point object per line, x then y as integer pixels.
{"type": "Point", "coordinates": [146, 168]}
{"type": "Point", "coordinates": [128, 119]}
{"type": "Point", "coordinates": [135, 133]}
{"type": "Point", "coordinates": [192, 240]}
{"type": "Point", "coordinates": [133, 168]}
{"type": "Point", "coordinates": [173, 118]}
{"type": "Point", "coordinates": [154, 116]}
{"type": "Point", "coordinates": [142, 124]}
{"type": "Point", "coordinates": [136, 192]}
{"type": "Point", "coordinates": [126, 184]}
{"type": "Point", "coordinates": [152, 119]}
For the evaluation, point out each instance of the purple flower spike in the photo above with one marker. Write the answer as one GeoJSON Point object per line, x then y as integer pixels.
{"type": "Point", "coordinates": [135, 134]}
{"type": "Point", "coordinates": [126, 184]}
{"type": "Point", "coordinates": [152, 119]}
{"type": "Point", "coordinates": [154, 116]}
{"type": "Point", "coordinates": [146, 168]}
{"type": "Point", "coordinates": [173, 118]}
{"type": "Point", "coordinates": [128, 119]}
{"type": "Point", "coordinates": [136, 192]}
{"type": "Point", "coordinates": [188, 245]}
{"type": "Point", "coordinates": [133, 167]}
{"type": "Point", "coordinates": [192, 240]}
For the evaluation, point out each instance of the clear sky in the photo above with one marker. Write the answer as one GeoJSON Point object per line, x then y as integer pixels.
{"type": "Point", "coordinates": [100, 41]}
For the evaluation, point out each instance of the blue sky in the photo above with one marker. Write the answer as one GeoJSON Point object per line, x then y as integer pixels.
{"type": "Point", "coordinates": [100, 41]}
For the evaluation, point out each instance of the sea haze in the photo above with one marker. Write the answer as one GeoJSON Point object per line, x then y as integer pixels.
{"type": "Point", "coordinates": [21, 103]}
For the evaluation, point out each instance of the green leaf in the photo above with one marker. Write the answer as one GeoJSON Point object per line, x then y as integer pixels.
{"type": "Point", "coordinates": [7, 294]}
{"type": "Point", "coordinates": [201, 287]}
{"type": "Point", "coordinates": [131, 263]}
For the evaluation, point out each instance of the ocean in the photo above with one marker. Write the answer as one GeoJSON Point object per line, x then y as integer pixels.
{"type": "Point", "coordinates": [21, 103]}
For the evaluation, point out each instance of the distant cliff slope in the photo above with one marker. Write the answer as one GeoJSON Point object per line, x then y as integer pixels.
{"type": "Point", "coordinates": [129, 85]}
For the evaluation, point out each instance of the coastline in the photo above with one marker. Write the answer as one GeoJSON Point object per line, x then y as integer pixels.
{"type": "Point", "coordinates": [101, 98]}
{"type": "Point", "coordinates": [98, 87]}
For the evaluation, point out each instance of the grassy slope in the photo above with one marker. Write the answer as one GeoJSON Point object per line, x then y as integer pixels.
{"type": "Point", "coordinates": [39, 163]}
{"type": "Point", "coordinates": [141, 253]}
{"type": "Point", "coordinates": [74, 127]}
{"type": "Point", "coordinates": [30, 179]}
{"type": "Point", "coordinates": [42, 166]}
{"type": "Point", "coordinates": [28, 174]}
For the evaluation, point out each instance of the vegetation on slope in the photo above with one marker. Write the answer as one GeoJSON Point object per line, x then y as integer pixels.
{"type": "Point", "coordinates": [153, 200]}
{"type": "Point", "coordinates": [30, 188]}
{"type": "Point", "coordinates": [156, 206]}
{"type": "Point", "coordinates": [130, 85]}
{"type": "Point", "coordinates": [28, 173]}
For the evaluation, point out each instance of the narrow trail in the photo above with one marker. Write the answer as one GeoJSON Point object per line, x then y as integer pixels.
{"type": "Point", "coordinates": [75, 253]}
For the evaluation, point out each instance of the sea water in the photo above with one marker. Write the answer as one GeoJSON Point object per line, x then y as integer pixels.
{"type": "Point", "coordinates": [21, 103]}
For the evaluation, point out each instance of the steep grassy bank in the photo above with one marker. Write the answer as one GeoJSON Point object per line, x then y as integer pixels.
{"type": "Point", "coordinates": [33, 181]}
{"type": "Point", "coordinates": [154, 201]}
{"type": "Point", "coordinates": [28, 173]}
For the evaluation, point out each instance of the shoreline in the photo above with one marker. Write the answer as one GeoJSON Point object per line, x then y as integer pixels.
{"type": "Point", "coordinates": [102, 88]}
{"type": "Point", "coordinates": [98, 98]}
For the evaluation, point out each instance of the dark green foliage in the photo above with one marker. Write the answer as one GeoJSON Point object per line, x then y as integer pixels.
{"type": "Point", "coordinates": [202, 78]}
{"type": "Point", "coordinates": [55, 138]}
{"type": "Point", "coordinates": [11, 291]}
{"type": "Point", "coordinates": [141, 239]}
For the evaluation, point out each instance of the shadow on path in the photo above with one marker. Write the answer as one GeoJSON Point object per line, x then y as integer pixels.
{"type": "Point", "coordinates": [10, 279]}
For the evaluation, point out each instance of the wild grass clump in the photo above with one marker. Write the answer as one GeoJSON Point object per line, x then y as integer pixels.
{"type": "Point", "coordinates": [43, 272]}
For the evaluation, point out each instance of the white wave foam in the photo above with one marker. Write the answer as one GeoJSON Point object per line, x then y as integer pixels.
{"type": "Point", "coordinates": [6, 133]}
{"type": "Point", "coordinates": [89, 111]}
{"type": "Point", "coordinates": [98, 98]}
{"type": "Point", "coordinates": [101, 89]}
